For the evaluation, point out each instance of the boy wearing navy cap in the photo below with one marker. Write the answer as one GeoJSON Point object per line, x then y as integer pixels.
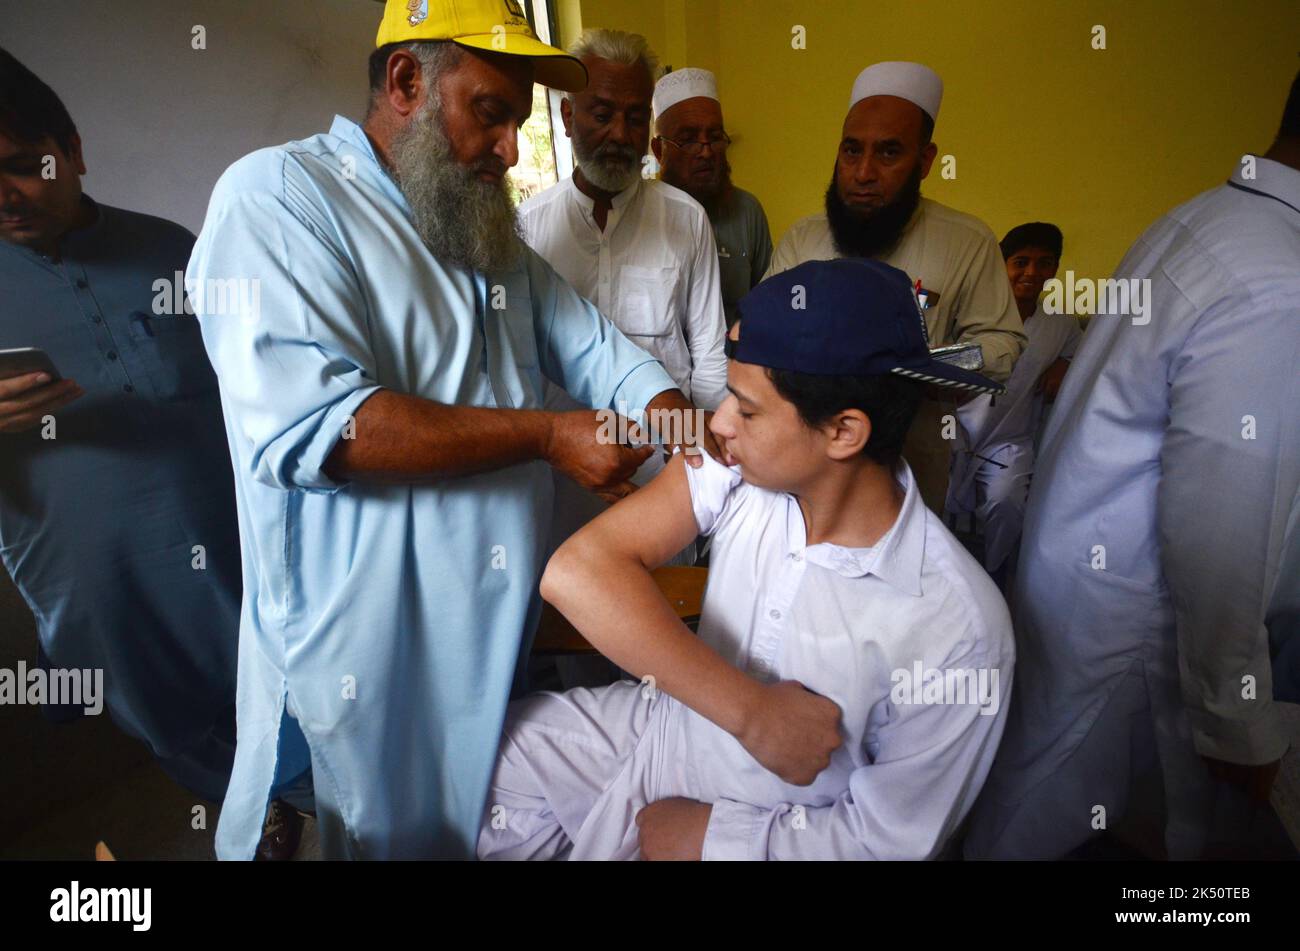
{"type": "Point", "coordinates": [844, 697]}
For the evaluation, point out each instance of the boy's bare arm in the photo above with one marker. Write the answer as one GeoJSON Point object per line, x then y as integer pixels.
{"type": "Point", "coordinates": [600, 580]}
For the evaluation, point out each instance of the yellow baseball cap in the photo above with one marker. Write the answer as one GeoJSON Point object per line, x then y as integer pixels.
{"type": "Point", "coordinates": [497, 26]}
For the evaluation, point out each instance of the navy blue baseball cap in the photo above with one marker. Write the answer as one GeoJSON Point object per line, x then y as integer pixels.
{"type": "Point", "coordinates": [847, 317]}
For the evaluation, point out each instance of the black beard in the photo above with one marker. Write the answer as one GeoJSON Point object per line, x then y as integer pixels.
{"type": "Point", "coordinates": [874, 235]}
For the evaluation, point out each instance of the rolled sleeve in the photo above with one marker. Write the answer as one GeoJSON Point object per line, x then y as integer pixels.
{"type": "Point", "coordinates": [295, 366]}
{"type": "Point", "coordinates": [734, 833]}
{"type": "Point", "coordinates": [711, 486]}
{"type": "Point", "coordinates": [305, 469]}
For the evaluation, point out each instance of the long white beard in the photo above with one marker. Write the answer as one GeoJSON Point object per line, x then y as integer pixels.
{"type": "Point", "coordinates": [462, 219]}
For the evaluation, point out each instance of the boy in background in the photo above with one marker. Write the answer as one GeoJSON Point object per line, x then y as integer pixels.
{"type": "Point", "coordinates": [991, 477]}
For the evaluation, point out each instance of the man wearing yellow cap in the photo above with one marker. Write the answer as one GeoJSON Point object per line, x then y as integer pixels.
{"type": "Point", "coordinates": [382, 396]}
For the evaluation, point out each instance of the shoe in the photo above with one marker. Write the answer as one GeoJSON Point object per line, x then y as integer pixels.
{"type": "Point", "coordinates": [281, 833]}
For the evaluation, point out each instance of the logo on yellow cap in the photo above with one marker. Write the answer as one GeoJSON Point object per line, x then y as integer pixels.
{"type": "Point", "coordinates": [419, 11]}
{"type": "Point", "coordinates": [515, 9]}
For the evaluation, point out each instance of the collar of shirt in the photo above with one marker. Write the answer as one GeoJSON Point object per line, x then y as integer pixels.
{"type": "Point", "coordinates": [1272, 178]}
{"type": "Point", "coordinates": [354, 135]}
{"type": "Point", "coordinates": [896, 558]}
{"type": "Point", "coordinates": [617, 204]}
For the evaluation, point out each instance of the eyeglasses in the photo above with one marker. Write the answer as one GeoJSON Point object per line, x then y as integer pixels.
{"type": "Point", "coordinates": [717, 142]}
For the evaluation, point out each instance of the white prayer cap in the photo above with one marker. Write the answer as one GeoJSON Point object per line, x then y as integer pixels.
{"type": "Point", "coordinates": [911, 81]}
{"type": "Point", "coordinates": [683, 84]}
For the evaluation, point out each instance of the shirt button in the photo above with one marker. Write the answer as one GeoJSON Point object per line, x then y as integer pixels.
{"type": "Point", "coordinates": [112, 354]}
{"type": "Point", "coordinates": [774, 614]}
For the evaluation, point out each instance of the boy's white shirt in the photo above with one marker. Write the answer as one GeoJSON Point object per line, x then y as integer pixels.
{"type": "Point", "coordinates": [841, 621]}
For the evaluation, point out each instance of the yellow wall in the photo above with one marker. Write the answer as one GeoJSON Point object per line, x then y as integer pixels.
{"type": "Point", "coordinates": [682, 32]}
{"type": "Point", "coordinates": [1043, 127]}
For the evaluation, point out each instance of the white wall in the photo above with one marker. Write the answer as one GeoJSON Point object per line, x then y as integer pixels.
{"type": "Point", "coordinates": [159, 120]}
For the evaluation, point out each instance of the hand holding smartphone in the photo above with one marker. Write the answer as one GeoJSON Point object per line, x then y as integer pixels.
{"type": "Point", "coordinates": [30, 389]}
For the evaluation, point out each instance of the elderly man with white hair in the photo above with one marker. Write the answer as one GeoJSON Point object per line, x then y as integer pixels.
{"type": "Point", "coordinates": [874, 209]}
{"type": "Point", "coordinates": [641, 250]}
{"type": "Point", "coordinates": [690, 145]}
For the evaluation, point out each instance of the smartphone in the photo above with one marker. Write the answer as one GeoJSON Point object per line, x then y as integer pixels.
{"type": "Point", "coordinates": [27, 360]}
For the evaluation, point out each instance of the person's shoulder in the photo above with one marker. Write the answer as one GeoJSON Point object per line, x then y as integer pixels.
{"type": "Point", "coordinates": [272, 170]}
{"type": "Point", "coordinates": [675, 198]}
{"type": "Point", "coordinates": [1239, 229]}
{"type": "Point", "coordinates": [972, 603]}
{"type": "Point", "coordinates": [949, 217]}
{"type": "Point", "coordinates": [681, 213]}
{"type": "Point", "coordinates": [260, 172]}
{"type": "Point", "coordinates": [721, 498]}
{"type": "Point", "coordinates": [543, 198]}
{"type": "Point", "coordinates": [806, 238]}
{"type": "Point", "coordinates": [747, 201]}
{"type": "Point", "coordinates": [809, 225]}
{"type": "Point", "coordinates": [1219, 249]}
{"type": "Point", "coordinates": [141, 226]}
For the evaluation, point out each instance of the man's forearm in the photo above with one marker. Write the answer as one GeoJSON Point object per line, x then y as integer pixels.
{"type": "Point", "coordinates": [670, 399]}
{"type": "Point", "coordinates": [619, 609]}
{"type": "Point", "coordinates": [677, 431]}
{"type": "Point", "coordinates": [400, 438]}
{"type": "Point", "coordinates": [1002, 348]}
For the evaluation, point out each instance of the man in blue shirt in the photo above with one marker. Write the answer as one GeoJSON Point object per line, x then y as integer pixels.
{"type": "Point", "coordinates": [381, 379]}
{"type": "Point", "coordinates": [117, 519]}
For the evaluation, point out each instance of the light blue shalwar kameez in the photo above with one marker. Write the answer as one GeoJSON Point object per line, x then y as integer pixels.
{"type": "Point", "coordinates": [388, 621]}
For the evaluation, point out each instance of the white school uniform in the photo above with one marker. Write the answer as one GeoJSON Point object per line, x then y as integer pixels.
{"type": "Point", "coordinates": [576, 767]}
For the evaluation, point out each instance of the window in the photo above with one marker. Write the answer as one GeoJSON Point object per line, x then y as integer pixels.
{"type": "Point", "coordinates": [544, 153]}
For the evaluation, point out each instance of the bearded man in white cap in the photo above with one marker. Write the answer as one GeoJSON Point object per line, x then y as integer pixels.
{"type": "Point", "coordinates": [874, 209]}
{"type": "Point", "coordinates": [690, 145]}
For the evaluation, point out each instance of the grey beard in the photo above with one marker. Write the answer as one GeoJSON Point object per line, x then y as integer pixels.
{"type": "Point", "coordinates": [610, 168]}
{"type": "Point", "coordinates": [462, 220]}
{"type": "Point", "coordinates": [711, 195]}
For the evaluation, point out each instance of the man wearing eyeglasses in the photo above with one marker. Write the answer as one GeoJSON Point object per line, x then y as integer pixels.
{"type": "Point", "coordinates": [691, 148]}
